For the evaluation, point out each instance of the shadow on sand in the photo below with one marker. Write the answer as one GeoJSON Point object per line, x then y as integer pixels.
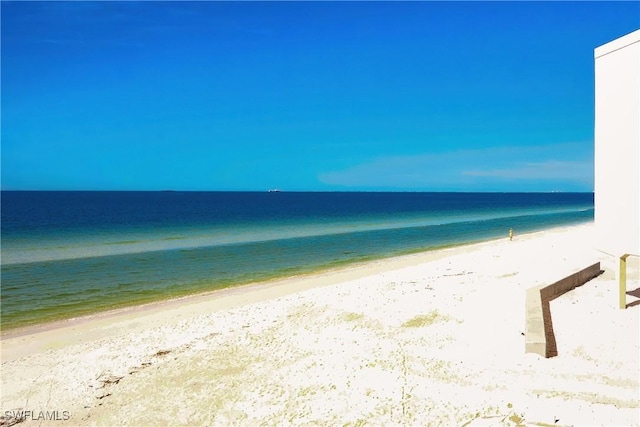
{"type": "Point", "coordinates": [634, 293]}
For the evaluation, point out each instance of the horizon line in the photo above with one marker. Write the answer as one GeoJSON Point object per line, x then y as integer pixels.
{"type": "Point", "coordinates": [296, 191]}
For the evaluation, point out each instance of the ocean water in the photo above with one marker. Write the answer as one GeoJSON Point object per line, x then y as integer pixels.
{"type": "Point", "coordinates": [68, 254]}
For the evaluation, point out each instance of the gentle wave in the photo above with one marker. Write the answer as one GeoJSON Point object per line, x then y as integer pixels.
{"type": "Point", "coordinates": [38, 292]}
{"type": "Point", "coordinates": [122, 245]}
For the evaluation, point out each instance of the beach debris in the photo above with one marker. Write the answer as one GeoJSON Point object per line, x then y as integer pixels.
{"type": "Point", "coordinates": [9, 419]}
{"type": "Point", "coordinates": [464, 273]}
{"type": "Point", "coordinates": [137, 369]}
{"type": "Point", "coordinates": [111, 379]}
{"type": "Point", "coordinates": [143, 365]}
{"type": "Point", "coordinates": [514, 420]}
{"type": "Point", "coordinates": [103, 396]}
{"type": "Point", "coordinates": [495, 416]}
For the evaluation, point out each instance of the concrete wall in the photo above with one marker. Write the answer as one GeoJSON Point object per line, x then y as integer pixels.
{"type": "Point", "coordinates": [539, 335]}
{"type": "Point", "coordinates": [617, 145]}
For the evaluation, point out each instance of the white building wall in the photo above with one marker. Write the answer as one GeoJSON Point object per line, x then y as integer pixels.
{"type": "Point", "coordinates": [617, 146]}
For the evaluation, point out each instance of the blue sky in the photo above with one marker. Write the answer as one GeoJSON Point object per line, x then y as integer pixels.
{"type": "Point", "coordinates": [404, 96]}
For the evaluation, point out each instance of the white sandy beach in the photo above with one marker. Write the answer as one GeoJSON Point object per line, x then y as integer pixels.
{"type": "Point", "coordinates": [427, 339]}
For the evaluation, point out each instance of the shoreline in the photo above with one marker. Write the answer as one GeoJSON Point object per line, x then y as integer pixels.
{"type": "Point", "coordinates": [274, 288]}
{"type": "Point", "coordinates": [154, 304]}
{"type": "Point", "coordinates": [36, 338]}
{"type": "Point", "coordinates": [352, 270]}
{"type": "Point", "coordinates": [196, 276]}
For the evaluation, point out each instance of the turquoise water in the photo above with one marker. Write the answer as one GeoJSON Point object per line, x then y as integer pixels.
{"type": "Point", "coordinates": [70, 254]}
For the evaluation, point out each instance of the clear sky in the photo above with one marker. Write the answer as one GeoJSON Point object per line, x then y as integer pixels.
{"type": "Point", "coordinates": [417, 96]}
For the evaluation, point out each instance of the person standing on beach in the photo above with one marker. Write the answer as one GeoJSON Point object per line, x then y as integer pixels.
{"type": "Point", "coordinates": [511, 234]}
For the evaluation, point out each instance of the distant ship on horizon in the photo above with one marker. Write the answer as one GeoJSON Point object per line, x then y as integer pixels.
{"type": "Point", "coordinates": [274, 190]}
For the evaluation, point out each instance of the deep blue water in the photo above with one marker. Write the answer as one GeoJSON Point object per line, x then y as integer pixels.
{"type": "Point", "coordinates": [66, 254]}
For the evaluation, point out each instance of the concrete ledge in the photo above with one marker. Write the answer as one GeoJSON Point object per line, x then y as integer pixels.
{"type": "Point", "coordinates": [539, 336]}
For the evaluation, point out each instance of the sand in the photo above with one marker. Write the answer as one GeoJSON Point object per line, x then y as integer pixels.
{"type": "Point", "coordinates": [427, 339]}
